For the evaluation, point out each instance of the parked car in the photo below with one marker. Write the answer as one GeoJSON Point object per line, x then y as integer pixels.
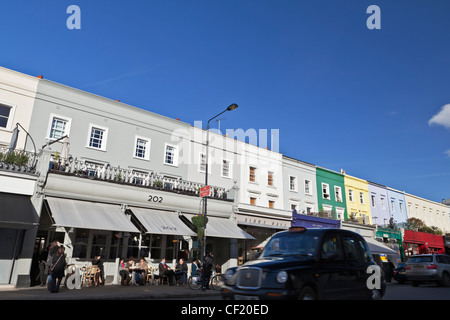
{"type": "Point", "coordinates": [400, 273]}
{"type": "Point", "coordinates": [308, 264]}
{"type": "Point", "coordinates": [428, 268]}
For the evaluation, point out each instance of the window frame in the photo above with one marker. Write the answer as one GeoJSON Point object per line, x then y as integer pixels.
{"type": "Point", "coordinates": [12, 112]}
{"type": "Point", "coordinates": [147, 148]}
{"type": "Point", "coordinates": [175, 155]}
{"type": "Point", "coordinates": [104, 140]}
{"type": "Point", "coordinates": [230, 175]}
{"type": "Point", "coordinates": [50, 125]}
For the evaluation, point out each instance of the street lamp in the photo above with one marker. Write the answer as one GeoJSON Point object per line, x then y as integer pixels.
{"type": "Point", "coordinates": [231, 107]}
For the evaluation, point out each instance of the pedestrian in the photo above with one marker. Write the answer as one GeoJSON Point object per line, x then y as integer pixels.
{"type": "Point", "coordinates": [57, 270]}
{"type": "Point", "coordinates": [390, 271]}
{"type": "Point", "coordinates": [100, 276]}
{"type": "Point", "coordinates": [207, 271]}
{"type": "Point", "coordinates": [43, 268]}
{"type": "Point", "coordinates": [124, 273]}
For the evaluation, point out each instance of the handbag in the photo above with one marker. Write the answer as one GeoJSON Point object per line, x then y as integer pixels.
{"type": "Point", "coordinates": [53, 267]}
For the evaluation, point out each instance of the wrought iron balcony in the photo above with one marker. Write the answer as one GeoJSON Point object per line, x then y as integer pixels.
{"type": "Point", "coordinates": [153, 180]}
{"type": "Point", "coordinates": [17, 161]}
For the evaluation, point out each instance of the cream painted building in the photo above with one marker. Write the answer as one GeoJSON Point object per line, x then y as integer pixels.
{"type": "Point", "coordinates": [432, 213]}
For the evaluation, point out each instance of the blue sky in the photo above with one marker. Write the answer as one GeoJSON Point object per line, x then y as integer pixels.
{"type": "Point", "coordinates": [341, 95]}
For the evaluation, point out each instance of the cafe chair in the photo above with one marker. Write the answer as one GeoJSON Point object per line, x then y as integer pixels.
{"type": "Point", "coordinates": [150, 275]}
{"type": "Point", "coordinates": [163, 278]}
{"type": "Point", "coordinates": [89, 276]}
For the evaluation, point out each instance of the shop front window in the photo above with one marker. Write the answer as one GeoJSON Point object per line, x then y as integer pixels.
{"type": "Point", "coordinates": [170, 242]}
{"type": "Point", "coordinates": [99, 245]}
{"type": "Point", "coordinates": [133, 245]}
{"type": "Point", "coordinates": [116, 246]}
{"type": "Point", "coordinates": [81, 243]}
{"type": "Point", "coordinates": [155, 246]}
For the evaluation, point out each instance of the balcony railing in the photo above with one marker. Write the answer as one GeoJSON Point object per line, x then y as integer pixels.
{"type": "Point", "coordinates": [17, 160]}
{"type": "Point", "coordinates": [153, 180]}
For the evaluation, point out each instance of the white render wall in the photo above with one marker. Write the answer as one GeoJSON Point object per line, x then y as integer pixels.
{"type": "Point", "coordinates": [17, 90]}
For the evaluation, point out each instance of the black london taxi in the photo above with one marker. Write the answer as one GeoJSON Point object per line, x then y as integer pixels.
{"type": "Point", "coordinates": [308, 264]}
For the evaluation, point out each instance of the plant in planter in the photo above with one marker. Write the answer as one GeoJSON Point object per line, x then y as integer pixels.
{"type": "Point", "coordinates": [158, 184]}
{"type": "Point", "coordinates": [199, 221]}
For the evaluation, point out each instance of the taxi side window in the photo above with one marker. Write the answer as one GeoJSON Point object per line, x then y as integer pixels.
{"type": "Point", "coordinates": [350, 249]}
{"type": "Point", "coordinates": [365, 250]}
{"type": "Point", "coordinates": [331, 248]}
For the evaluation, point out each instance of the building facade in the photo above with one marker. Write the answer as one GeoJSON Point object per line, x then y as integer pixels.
{"type": "Point", "coordinates": [331, 199]}
{"type": "Point", "coordinates": [357, 197]}
{"type": "Point", "coordinates": [379, 208]}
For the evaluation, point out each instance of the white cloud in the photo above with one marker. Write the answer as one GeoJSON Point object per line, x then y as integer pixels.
{"type": "Point", "coordinates": [447, 153]}
{"type": "Point", "coordinates": [442, 117]}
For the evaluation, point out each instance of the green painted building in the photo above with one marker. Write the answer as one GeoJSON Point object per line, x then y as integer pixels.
{"type": "Point", "coordinates": [331, 194]}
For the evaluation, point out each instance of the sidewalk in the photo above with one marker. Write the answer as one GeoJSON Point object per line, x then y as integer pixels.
{"type": "Point", "coordinates": [107, 292]}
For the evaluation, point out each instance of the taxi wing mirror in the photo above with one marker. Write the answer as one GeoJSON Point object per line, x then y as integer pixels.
{"type": "Point", "coordinates": [330, 255]}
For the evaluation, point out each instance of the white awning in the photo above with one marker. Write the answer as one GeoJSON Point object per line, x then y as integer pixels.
{"type": "Point", "coordinates": [377, 247]}
{"type": "Point", "coordinates": [162, 222]}
{"type": "Point", "coordinates": [89, 215]}
{"type": "Point", "coordinates": [223, 228]}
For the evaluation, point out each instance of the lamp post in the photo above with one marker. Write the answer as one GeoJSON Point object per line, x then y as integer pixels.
{"type": "Point", "coordinates": [231, 107]}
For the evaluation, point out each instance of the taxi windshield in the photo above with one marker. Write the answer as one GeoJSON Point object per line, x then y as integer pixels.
{"type": "Point", "coordinates": [291, 244]}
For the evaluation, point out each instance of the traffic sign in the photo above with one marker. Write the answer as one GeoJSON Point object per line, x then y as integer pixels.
{"type": "Point", "coordinates": [205, 191]}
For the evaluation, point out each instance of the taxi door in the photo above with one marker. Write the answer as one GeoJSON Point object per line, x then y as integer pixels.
{"type": "Point", "coordinates": [332, 274]}
{"type": "Point", "coordinates": [356, 267]}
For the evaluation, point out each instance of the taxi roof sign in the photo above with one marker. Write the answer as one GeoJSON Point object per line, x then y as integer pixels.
{"type": "Point", "coordinates": [297, 229]}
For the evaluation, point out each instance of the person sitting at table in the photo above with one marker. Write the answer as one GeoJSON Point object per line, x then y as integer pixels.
{"type": "Point", "coordinates": [181, 270]}
{"type": "Point", "coordinates": [195, 267]}
{"type": "Point", "coordinates": [165, 270]}
{"type": "Point", "coordinates": [141, 275]}
{"type": "Point", "coordinates": [130, 263]}
{"type": "Point", "coordinates": [123, 271]}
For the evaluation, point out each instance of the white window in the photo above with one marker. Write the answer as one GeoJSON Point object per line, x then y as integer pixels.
{"type": "Point", "coordinates": [226, 168]}
{"type": "Point", "coordinates": [6, 116]}
{"type": "Point", "coordinates": [361, 198]}
{"type": "Point", "coordinates": [252, 174]}
{"type": "Point", "coordinates": [338, 193]}
{"type": "Point", "coordinates": [141, 148]}
{"type": "Point", "coordinates": [307, 186]}
{"type": "Point", "coordinates": [392, 205]}
{"type": "Point", "coordinates": [350, 195]}
{"type": "Point", "coordinates": [58, 127]}
{"type": "Point", "coordinates": [292, 183]}
{"type": "Point", "coordinates": [202, 163]}
{"type": "Point", "coordinates": [97, 137]}
{"type": "Point", "coordinates": [401, 207]}
{"type": "Point", "coordinates": [171, 155]}
{"type": "Point", "coordinates": [325, 191]}
{"type": "Point", "coordinates": [270, 178]}
{"type": "Point", "coordinates": [383, 206]}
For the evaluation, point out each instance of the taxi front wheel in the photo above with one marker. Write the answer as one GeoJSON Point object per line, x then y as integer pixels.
{"type": "Point", "coordinates": [307, 293]}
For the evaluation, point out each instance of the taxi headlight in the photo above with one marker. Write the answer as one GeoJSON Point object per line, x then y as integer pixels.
{"type": "Point", "coordinates": [282, 277]}
{"type": "Point", "coordinates": [229, 274]}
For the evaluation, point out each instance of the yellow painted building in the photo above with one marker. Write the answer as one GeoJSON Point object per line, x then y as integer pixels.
{"type": "Point", "coordinates": [358, 200]}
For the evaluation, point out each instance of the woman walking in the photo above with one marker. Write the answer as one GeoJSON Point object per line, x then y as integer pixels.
{"type": "Point", "coordinates": [57, 270]}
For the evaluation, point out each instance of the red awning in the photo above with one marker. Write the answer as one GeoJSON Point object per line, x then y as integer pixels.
{"type": "Point", "coordinates": [431, 240]}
